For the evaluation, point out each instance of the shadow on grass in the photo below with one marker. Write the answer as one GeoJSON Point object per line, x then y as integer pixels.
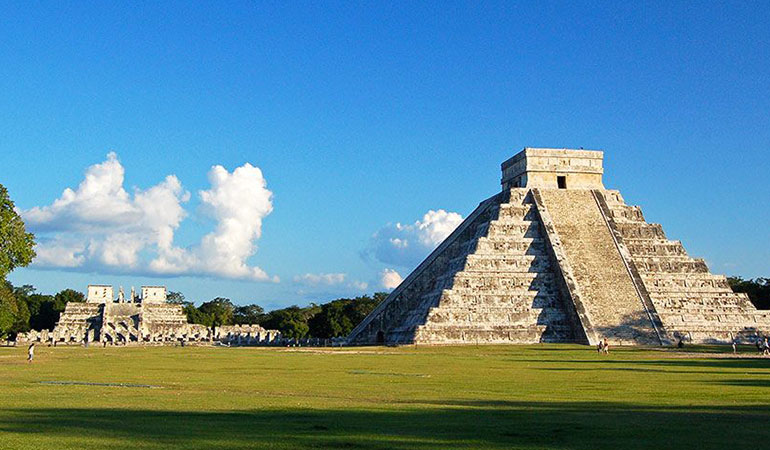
{"type": "Point", "coordinates": [745, 383]}
{"type": "Point", "coordinates": [449, 425]}
{"type": "Point", "coordinates": [704, 363]}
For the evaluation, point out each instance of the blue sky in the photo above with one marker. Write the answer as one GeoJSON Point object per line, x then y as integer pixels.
{"type": "Point", "coordinates": [361, 116]}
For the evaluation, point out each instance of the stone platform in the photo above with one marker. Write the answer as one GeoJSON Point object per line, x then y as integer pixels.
{"type": "Point", "coordinates": [140, 320]}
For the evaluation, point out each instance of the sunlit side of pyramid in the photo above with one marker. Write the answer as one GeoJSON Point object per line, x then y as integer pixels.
{"type": "Point", "coordinates": [555, 257]}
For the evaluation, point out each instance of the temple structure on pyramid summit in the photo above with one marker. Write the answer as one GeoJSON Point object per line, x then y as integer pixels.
{"type": "Point", "coordinates": [557, 257]}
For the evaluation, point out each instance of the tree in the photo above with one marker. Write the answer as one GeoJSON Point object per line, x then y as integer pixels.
{"type": "Point", "coordinates": [44, 311]}
{"type": "Point", "coordinates": [362, 306]}
{"type": "Point", "coordinates": [8, 310]}
{"type": "Point", "coordinates": [14, 313]}
{"type": "Point", "coordinates": [332, 321]}
{"type": "Point", "coordinates": [757, 289]}
{"type": "Point", "coordinates": [220, 309]}
{"type": "Point", "coordinates": [175, 298]}
{"type": "Point", "coordinates": [338, 317]}
{"type": "Point", "coordinates": [68, 295]}
{"type": "Point", "coordinates": [194, 315]}
{"type": "Point", "coordinates": [23, 291]}
{"type": "Point", "coordinates": [248, 314]}
{"type": "Point", "coordinates": [16, 245]}
{"type": "Point", "coordinates": [291, 321]}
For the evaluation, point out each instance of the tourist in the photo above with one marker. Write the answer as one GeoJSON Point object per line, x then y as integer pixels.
{"type": "Point", "coordinates": [735, 349]}
{"type": "Point", "coordinates": [759, 344]}
{"type": "Point", "coordinates": [606, 347]}
{"type": "Point", "coordinates": [765, 347]}
{"type": "Point", "coordinates": [600, 347]}
{"type": "Point", "coordinates": [31, 352]}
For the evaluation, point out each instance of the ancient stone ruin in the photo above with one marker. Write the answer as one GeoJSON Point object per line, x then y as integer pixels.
{"type": "Point", "coordinates": [143, 318]}
{"type": "Point", "coordinates": [556, 257]}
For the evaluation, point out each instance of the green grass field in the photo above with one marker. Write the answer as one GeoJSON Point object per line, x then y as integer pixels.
{"type": "Point", "coordinates": [544, 396]}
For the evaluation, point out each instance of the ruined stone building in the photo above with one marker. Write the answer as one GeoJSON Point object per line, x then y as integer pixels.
{"type": "Point", "coordinates": [556, 257]}
{"type": "Point", "coordinates": [140, 318]}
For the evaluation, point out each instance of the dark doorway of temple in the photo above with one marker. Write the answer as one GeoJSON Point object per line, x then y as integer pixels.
{"type": "Point", "coordinates": [562, 182]}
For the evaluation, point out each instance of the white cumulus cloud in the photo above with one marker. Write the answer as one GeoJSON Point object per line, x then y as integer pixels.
{"type": "Point", "coordinates": [101, 226]}
{"type": "Point", "coordinates": [320, 278]}
{"type": "Point", "coordinates": [330, 279]}
{"type": "Point", "coordinates": [238, 201]}
{"type": "Point", "coordinates": [390, 279]}
{"type": "Point", "coordinates": [58, 253]}
{"type": "Point", "coordinates": [406, 245]}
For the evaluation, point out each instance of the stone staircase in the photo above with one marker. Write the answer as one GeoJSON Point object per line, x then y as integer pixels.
{"type": "Point", "coordinates": [121, 322]}
{"type": "Point", "coordinates": [691, 302]}
{"type": "Point", "coordinates": [77, 321]}
{"type": "Point", "coordinates": [611, 299]}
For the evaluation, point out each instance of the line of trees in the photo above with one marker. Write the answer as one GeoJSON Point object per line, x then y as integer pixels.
{"type": "Point", "coordinates": [333, 319]}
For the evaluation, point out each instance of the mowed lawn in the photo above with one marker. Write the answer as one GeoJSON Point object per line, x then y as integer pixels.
{"type": "Point", "coordinates": [542, 396]}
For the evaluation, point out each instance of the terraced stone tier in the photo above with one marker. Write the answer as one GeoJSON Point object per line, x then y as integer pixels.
{"type": "Point", "coordinates": [501, 334]}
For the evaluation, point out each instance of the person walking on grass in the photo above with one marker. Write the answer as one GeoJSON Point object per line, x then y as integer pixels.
{"type": "Point", "coordinates": [31, 352]}
{"type": "Point", "coordinates": [765, 347]}
{"type": "Point", "coordinates": [606, 347]}
{"type": "Point", "coordinates": [600, 347]}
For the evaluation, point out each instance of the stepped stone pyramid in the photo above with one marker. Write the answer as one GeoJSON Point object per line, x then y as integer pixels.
{"type": "Point", "coordinates": [556, 257]}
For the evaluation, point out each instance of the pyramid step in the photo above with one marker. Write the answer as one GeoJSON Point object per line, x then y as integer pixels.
{"type": "Point", "coordinates": [670, 265]}
{"type": "Point", "coordinates": [667, 304]}
{"type": "Point", "coordinates": [626, 213]}
{"type": "Point", "coordinates": [513, 211]}
{"type": "Point", "coordinates": [700, 290]}
{"type": "Point", "coordinates": [696, 278]}
{"type": "Point", "coordinates": [501, 335]}
{"type": "Point", "coordinates": [704, 319]}
{"type": "Point", "coordinates": [640, 230]}
{"type": "Point", "coordinates": [514, 229]}
{"type": "Point", "coordinates": [648, 247]}
{"type": "Point", "coordinates": [503, 280]}
{"type": "Point", "coordinates": [533, 298]}
{"type": "Point", "coordinates": [501, 262]}
{"type": "Point", "coordinates": [498, 315]}
{"type": "Point", "coordinates": [529, 246]}
{"type": "Point", "coordinates": [698, 300]}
